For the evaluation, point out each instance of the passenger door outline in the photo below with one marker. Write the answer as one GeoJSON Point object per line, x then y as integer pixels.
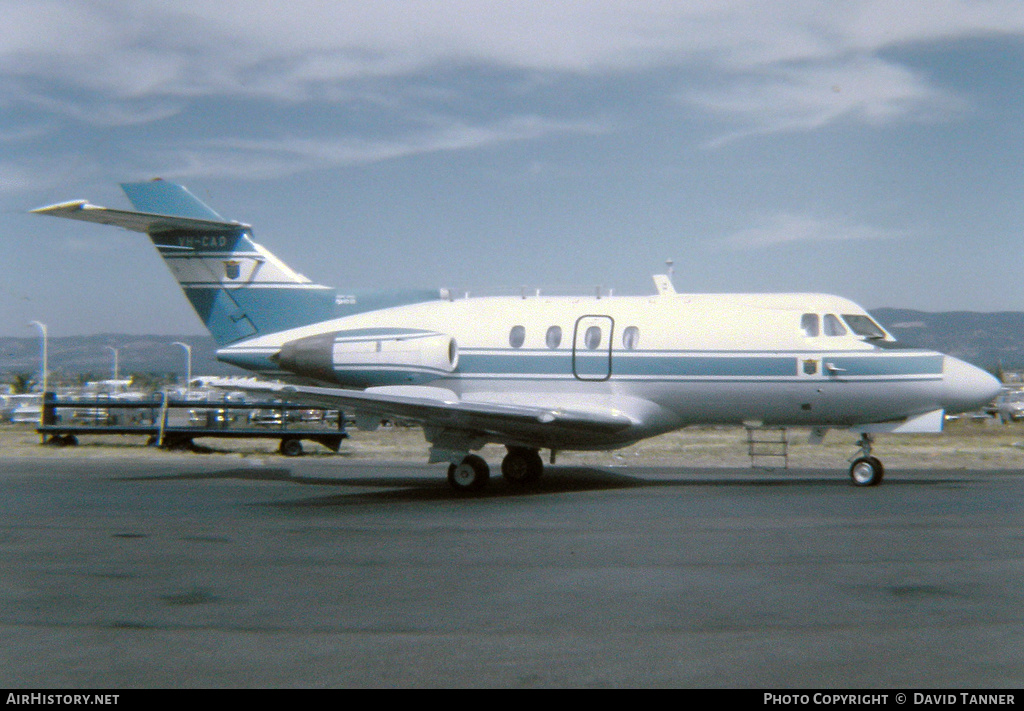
{"type": "Point", "coordinates": [593, 364]}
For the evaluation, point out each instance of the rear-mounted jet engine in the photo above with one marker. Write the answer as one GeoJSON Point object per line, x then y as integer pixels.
{"type": "Point", "coordinates": [371, 357]}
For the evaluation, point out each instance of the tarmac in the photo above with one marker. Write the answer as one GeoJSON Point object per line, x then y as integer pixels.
{"type": "Point", "coordinates": [193, 571]}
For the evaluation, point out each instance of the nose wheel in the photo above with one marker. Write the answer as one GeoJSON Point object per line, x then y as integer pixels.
{"type": "Point", "coordinates": [865, 469]}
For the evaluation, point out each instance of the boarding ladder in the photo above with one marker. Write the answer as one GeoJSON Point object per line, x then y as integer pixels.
{"type": "Point", "coordinates": [768, 447]}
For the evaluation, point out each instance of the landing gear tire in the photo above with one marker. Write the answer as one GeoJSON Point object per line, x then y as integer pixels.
{"type": "Point", "coordinates": [469, 475]}
{"type": "Point", "coordinates": [866, 471]}
{"type": "Point", "coordinates": [522, 467]}
{"type": "Point", "coordinates": [291, 447]}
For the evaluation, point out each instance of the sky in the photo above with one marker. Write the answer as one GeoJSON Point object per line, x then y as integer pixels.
{"type": "Point", "coordinates": [857, 147]}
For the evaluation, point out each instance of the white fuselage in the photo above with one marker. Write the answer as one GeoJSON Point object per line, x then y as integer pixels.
{"type": "Point", "coordinates": [667, 360]}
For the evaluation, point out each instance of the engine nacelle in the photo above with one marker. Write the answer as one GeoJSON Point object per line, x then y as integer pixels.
{"type": "Point", "coordinates": [371, 357]}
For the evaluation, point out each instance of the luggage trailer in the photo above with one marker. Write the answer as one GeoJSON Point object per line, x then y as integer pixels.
{"type": "Point", "coordinates": [174, 424]}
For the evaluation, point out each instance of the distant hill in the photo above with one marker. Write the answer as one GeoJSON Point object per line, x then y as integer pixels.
{"type": "Point", "coordinates": [984, 339]}
{"type": "Point", "coordinates": [88, 355]}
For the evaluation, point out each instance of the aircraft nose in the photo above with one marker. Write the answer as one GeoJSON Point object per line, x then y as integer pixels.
{"type": "Point", "coordinates": [966, 387]}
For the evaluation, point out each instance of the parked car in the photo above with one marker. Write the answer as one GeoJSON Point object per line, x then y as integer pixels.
{"type": "Point", "coordinates": [1010, 406]}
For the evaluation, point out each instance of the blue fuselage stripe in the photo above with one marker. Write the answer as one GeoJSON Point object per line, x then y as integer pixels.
{"type": "Point", "coordinates": [488, 364]}
{"type": "Point", "coordinates": [667, 365]}
{"type": "Point", "coordinates": [882, 365]}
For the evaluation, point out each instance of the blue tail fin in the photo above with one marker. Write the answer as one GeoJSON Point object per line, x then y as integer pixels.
{"type": "Point", "coordinates": [238, 287]}
{"type": "Point", "coordinates": [159, 197]}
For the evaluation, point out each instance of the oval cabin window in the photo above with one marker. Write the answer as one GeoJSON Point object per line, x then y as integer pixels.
{"type": "Point", "coordinates": [631, 338]}
{"type": "Point", "coordinates": [592, 338]}
{"type": "Point", "coordinates": [517, 336]}
{"type": "Point", "coordinates": [553, 337]}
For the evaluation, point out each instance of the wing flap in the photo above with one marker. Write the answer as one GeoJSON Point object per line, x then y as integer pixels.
{"type": "Point", "coordinates": [145, 222]}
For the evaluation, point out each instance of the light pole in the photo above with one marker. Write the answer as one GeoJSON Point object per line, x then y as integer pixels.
{"type": "Point", "coordinates": [188, 354]}
{"type": "Point", "coordinates": [46, 371]}
{"type": "Point", "coordinates": [114, 351]}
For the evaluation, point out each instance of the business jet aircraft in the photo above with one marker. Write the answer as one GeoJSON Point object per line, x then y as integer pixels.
{"type": "Point", "coordinates": [555, 373]}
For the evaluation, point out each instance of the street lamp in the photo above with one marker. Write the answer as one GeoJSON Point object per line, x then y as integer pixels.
{"type": "Point", "coordinates": [46, 371]}
{"type": "Point", "coordinates": [114, 351]}
{"type": "Point", "coordinates": [188, 353]}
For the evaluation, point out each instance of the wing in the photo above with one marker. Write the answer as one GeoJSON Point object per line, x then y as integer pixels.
{"type": "Point", "coordinates": [440, 408]}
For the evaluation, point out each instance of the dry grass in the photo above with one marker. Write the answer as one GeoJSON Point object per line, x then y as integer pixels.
{"type": "Point", "coordinates": [964, 445]}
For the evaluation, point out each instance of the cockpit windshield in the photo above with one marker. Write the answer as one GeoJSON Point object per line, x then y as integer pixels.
{"type": "Point", "coordinates": [864, 326]}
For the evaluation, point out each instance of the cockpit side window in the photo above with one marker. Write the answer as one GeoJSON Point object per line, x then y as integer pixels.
{"type": "Point", "coordinates": [864, 326]}
{"type": "Point", "coordinates": [809, 324]}
{"type": "Point", "coordinates": [833, 326]}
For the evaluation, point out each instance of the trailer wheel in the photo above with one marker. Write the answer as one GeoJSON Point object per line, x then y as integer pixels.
{"type": "Point", "coordinates": [62, 440]}
{"type": "Point", "coordinates": [178, 443]}
{"type": "Point", "coordinates": [291, 447]}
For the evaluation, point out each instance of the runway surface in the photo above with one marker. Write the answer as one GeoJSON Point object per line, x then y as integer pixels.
{"type": "Point", "coordinates": [214, 571]}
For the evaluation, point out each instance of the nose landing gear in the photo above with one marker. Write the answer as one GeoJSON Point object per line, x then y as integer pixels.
{"type": "Point", "coordinates": [865, 469]}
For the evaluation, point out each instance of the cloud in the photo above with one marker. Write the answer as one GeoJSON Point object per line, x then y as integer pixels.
{"type": "Point", "coordinates": [15, 178]}
{"type": "Point", "coordinates": [788, 65]}
{"type": "Point", "coordinates": [106, 113]}
{"type": "Point", "coordinates": [861, 89]}
{"type": "Point", "coordinates": [275, 157]}
{"type": "Point", "coordinates": [18, 134]}
{"type": "Point", "coordinates": [240, 47]}
{"type": "Point", "coordinates": [784, 229]}
{"type": "Point", "coordinates": [254, 47]}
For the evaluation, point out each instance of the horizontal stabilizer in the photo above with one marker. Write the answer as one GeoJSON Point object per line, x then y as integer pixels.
{"type": "Point", "coordinates": [148, 223]}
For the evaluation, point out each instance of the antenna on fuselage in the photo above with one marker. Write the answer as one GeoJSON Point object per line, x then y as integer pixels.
{"type": "Point", "coordinates": [663, 282]}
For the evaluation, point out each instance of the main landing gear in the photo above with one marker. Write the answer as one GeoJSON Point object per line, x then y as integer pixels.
{"type": "Point", "coordinates": [469, 475]}
{"type": "Point", "coordinates": [523, 466]}
{"type": "Point", "coordinates": [865, 469]}
{"type": "Point", "coordinates": [520, 467]}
